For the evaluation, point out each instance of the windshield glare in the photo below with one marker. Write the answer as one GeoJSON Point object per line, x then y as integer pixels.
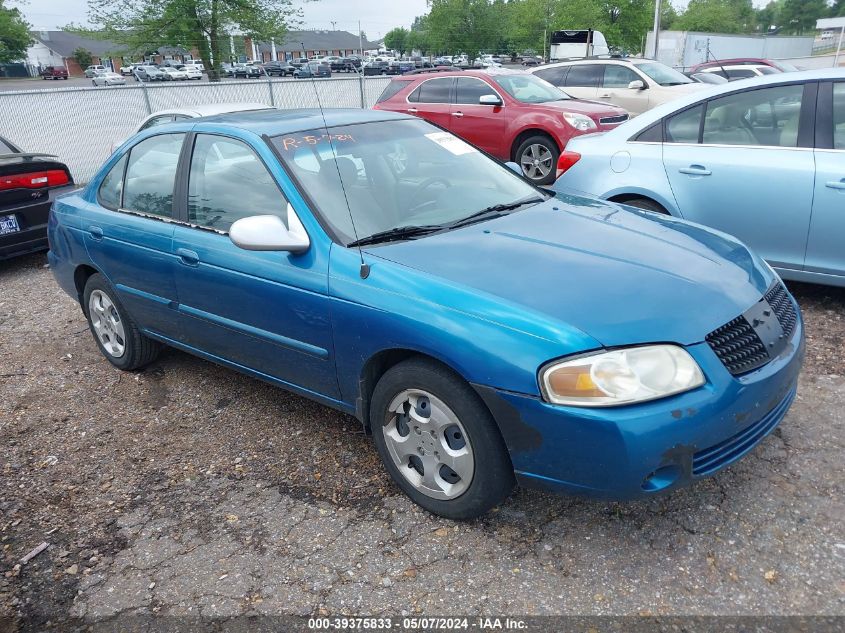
{"type": "Point", "coordinates": [530, 89]}
{"type": "Point", "coordinates": [663, 75]}
{"type": "Point", "coordinates": [396, 174]}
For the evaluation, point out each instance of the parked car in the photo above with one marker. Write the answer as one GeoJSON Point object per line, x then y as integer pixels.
{"type": "Point", "coordinates": [760, 159]}
{"type": "Point", "coordinates": [707, 78]}
{"type": "Point", "coordinates": [469, 377]}
{"type": "Point", "coordinates": [173, 74]}
{"type": "Point", "coordinates": [163, 117]}
{"type": "Point", "coordinates": [400, 67]}
{"type": "Point", "coordinates": [128, 70]}
{"type": "Point", "coordinates": [29, 182]}
{"type": "Point", "coordinates": [278, 69]}
{"type": "Point", "coordinates": [108, 79]}
{"type": "Point", "coordinates": [732, 72]}
{"type": "Point", "coordinates": [196, 63]}
{"type": "Point", "coordinates": [634, 84]}
{"type": "Point", "coordinates": [532, 61]}
{"type": "Point", "coordinates": [247, 71]}
{"type": "Point", "coordinates": [53, 72]}
{"type": "Point", "coordinates": [375, 67]}
{"type": "Point", "coordinates": [94, 69]}
{"type": "Point", "coordinates": [149, 72]}
{"type": "Point", "coordinates": [352, 63]}
{"type": "Point", "coordinates": [299, 61]}
{"type": "Point", "coordinates": [191, 71]}
{"type": "Point", "coordinates": [782, 66]}
{"type": "Point", "coordinates": [312, 69]}
{"type": "Point", "coordinates": [512, 115]}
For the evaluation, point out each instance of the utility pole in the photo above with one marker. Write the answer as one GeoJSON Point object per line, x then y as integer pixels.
{"type": "Point", "coordinates": [360, 40]}
{"type": "Point", "coordinates": [656, 28]}
{"type": "Point", "coordinates": [334, 22]}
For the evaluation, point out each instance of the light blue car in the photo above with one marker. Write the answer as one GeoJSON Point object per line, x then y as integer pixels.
{"type": "Point", "coordinates": [762, 159]}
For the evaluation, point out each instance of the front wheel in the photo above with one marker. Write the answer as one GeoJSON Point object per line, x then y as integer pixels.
{"type": "Point", "coordinates": [115, 332]}
{"type": "Point", "coordinates": [438, 441]}
{"type": "Point", "coordinates": [537, 156]}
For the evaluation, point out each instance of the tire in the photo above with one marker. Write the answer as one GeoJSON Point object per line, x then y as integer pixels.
{"type": "Point", "coordinates": [112, 323]}
{"type": "Point", "coordinates": [646, 204]}
{"type": "Point", "coordinates": [444, 421]}
{"type": "Point", "coordinates": [537, 156]}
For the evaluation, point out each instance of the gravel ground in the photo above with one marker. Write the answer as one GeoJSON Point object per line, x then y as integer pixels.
{"type": "Point", "coordinates": [189, 489]}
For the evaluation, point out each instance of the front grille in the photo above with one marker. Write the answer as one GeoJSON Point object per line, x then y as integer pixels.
{"type": "Point", "coordinates": [610, 120]}
{"type": "Point", "coordinates": [711, 459]}
{"type": "Point", "coordinates": [783, 307]}
{"type": "Point", "coordinates": [738, 346]}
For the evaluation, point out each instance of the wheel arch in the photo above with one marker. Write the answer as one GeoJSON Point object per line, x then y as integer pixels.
{"type": "Point", "coordinates": [81, 274]}
{"type": "Point", "coordinates": [529, 132]}
{"type": "Point", "coordinates": [623, 196]}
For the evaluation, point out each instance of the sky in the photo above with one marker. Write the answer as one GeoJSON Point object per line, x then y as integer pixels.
{"type": "Point", "coordinates": [377, 18]}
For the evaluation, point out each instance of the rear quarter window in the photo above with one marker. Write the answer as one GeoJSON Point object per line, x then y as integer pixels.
{"type": "Point", "coordinates": [392, 89]}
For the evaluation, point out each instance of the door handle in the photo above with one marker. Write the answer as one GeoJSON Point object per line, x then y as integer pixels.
{"type": "Point", "coordinates": [695, 170]}
{"type": "Point", "coordinates": [836, 184]}
{"type": "Point", "coordinates": [458, 114]}
{"type": "Point", "coordinates": [412, 110]}
{"type": "Point", "coordinates": [96, 232]}
{"type": "Point", "coordinates": [189, 258]}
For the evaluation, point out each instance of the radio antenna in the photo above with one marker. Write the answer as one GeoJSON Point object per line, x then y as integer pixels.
{"type": "Point", "coordinates": [365, 268]}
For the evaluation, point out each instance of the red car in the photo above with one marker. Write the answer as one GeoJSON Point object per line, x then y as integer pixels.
{"type": "Point", "coordinates": [53, 72]}
{"type": "Point", "coordinates": [511, 115]}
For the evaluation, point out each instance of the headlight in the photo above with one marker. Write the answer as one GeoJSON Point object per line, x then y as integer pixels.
{"type": "Point", "coordinates": [621, 376]}
{"type": "Point", "coordinates": [579, 121]}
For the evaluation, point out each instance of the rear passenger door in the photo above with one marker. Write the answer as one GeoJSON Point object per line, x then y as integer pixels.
{"type": "Point", "coordinates": [265, 311]}
{"type": "Point", "coordinates": [747, 168]}
{"type": "Point", "coordinates": [432, 101]}
{"type": "Point", "coordinates": [826, 242]}
{"type": "Point", "coordinates": [583, 80]}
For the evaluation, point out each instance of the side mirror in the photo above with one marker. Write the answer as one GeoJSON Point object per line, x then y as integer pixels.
{"type": "Point", "coordinates": [514, 167]}
{"type": "Point", "coordinates": [637, 84]}
{"type": "Point", "coordinates": [268, 233]}
{"type": "Point", "coordinates": [491, 100]}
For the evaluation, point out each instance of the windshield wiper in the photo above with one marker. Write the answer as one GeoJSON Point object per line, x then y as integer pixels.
{"type": "Point", "coordinates": [495, 211]}
{"type": "Point", "coordinates": [396, 233]}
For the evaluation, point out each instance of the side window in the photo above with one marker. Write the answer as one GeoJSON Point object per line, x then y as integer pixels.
{"type": "Point", "coordinates": [585, 76]}
{"type": "Point", "coordinates": [471, 89]}
{"type": "Point", "coordinates": [555, 76]}
{"type": "Point", "coordinates": [653, 134]}
{"type": "Point", "coordinates": [618, 76]}
{"type": "Point", "coordinates": [839, 115]}
{"type": "Point", "coordinates": [435, 90]}
{"type": "Point", "coordinates": [684, 126]}
{"type": "Point", "coordinates": [217, 196]}
{"type": "Point", "coordinates": [768, 116]}
{"type": "Point", "coordinates": [392, 89]}
{"type": "Point", "coordinates": [112, 186]}
{"type": "Point", "coordinates": [157, 120]}
{"type": "Point", "coordinates": [151, 174]}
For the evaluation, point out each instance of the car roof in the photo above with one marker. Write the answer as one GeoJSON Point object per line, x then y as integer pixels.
{"type": "Point", "coordinates": [274, 122]}
{"type": "Point", "coordinates": [477, 72]}
{"type": "Point", "coordinates": [714, 90]}
{"type": "Point", "coordinates": [211, 109]}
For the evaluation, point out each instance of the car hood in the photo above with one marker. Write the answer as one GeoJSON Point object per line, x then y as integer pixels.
{"type": "Point", "coordinates": [622, 277]}
{"type": "Point", "coordinates": [582, 106]}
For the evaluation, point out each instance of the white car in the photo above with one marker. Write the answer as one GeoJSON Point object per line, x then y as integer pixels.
{"type": "Point", "coordinates": [174, 74]}
{"type": "Point", "coordinates": [195, 63]}
{"type": "Point", "coordinates": [732, 72]}
{"type": "Point", "coordinates": [94, 69]}
{"type": "Point", "coordinates": [108, 78]}
{"type": "Point", "coordinates": [128, 70]}
{"type": "Point", "coordinates": [193, 72]}
{"type": "Point", "coordinates": [634, 84]}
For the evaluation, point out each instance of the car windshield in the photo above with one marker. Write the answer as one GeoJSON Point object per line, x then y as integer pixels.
{"type": "Point", "coordinates": [530, 89]}
{"type": "Point", "coordinates": [663, 75]}
{"type": "Point", "coordinates": [397, 174]}
{"type": "Point", "coordinates": [785, 67]}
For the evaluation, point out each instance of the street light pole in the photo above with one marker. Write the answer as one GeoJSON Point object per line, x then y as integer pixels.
{"type": "Point", "coordinates": [656, 28]}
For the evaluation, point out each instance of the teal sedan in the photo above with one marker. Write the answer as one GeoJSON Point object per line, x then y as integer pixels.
{"type": "Point", "coordinates": [762, 159]}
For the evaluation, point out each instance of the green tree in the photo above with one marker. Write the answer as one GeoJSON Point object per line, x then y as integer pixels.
{"type": "Point", "coordinates": [716, 16]}
{"type": "Point", "coordinates": [14, 34]}
{"type": "Point", "coordinates": [463, 26]}
{"type": "Point", "coordinates": [83, 57]}
{"type": "Point", "coordinates": [767, 17]}
{"type": "Point", "coordinates": [397, 40]}
{"type": "Point", "coordinates": [799, 16]}
{"type": "Point", "coordinates": [144, 25]}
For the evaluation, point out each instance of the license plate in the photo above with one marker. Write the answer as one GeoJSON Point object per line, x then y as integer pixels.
{"type": "Point", "coordinates": [8, 224]}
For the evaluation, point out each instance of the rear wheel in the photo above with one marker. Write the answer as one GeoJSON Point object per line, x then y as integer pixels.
{"type": "Point", "coordinates": [647, 204]}
{"type": "Point", "coordinates": [438, 441]}
{"type": "Point", "coordinates": [537, 156]}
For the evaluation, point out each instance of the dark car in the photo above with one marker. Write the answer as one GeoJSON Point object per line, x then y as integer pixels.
{"type": "Point", "coordinates": [352, 63]}
{"type": "Point", "coordinates": [28, 185]}
{"type": "Point", "coordinates": [299, 61]}
{"type": "Point", "coordinates": [531, 61]}
{"type": "Point", "coordinates": [150, 73]}
{"type": "Point", "coordinates": [279, 69]}
{"type": "Point", "coordinates": [53, 72]}
{"type": "Point", "coordinates": [247, 71]}
{"type": "Point", "coordinates": [376, 68]}
{"type": "Point", "coordinates": [401, 67]}
{"type": "Point", "coordinates": [313, 69]}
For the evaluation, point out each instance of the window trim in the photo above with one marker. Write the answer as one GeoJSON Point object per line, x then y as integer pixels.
{"type": "Point", "coordinates": [824, 116]}
{"type": "Point", "coordinates": [585, 65]}
{"type": "Point", "coordinates": [124, 156]}
{"type": "Point", "coordinates": [630, 67]}
{"type": "Point", "coordinates": [419, 87]}
{"type": "Point", "coordinates": [484, 105]}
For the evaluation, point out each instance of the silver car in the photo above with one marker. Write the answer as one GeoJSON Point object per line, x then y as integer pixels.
{"type": "Point", "coordinates": [108, 78]}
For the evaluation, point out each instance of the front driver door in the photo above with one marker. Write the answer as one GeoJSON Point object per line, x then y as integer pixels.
{"type": "Point", "coordinates": [826, 243]}
{"type": "Point", "coordinates": [266, 311]}
{"type": "Point", "coordinates": [748, 170]}
{"type": "Point", "coordinates": [615, 89]}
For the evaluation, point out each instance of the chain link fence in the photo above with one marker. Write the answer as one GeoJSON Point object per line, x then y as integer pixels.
{"type": "Point", "coordinates": [82, 125]}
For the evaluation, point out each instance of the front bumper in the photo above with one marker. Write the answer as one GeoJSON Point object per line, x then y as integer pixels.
{"type": "Point", "coordinates": [635, 451]}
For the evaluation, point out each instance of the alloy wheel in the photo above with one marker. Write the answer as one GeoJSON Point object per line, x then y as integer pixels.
{"type": "Point", "coordinates": [107, 323]}
{"type": "Point", "coordinates": [536, 161]}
